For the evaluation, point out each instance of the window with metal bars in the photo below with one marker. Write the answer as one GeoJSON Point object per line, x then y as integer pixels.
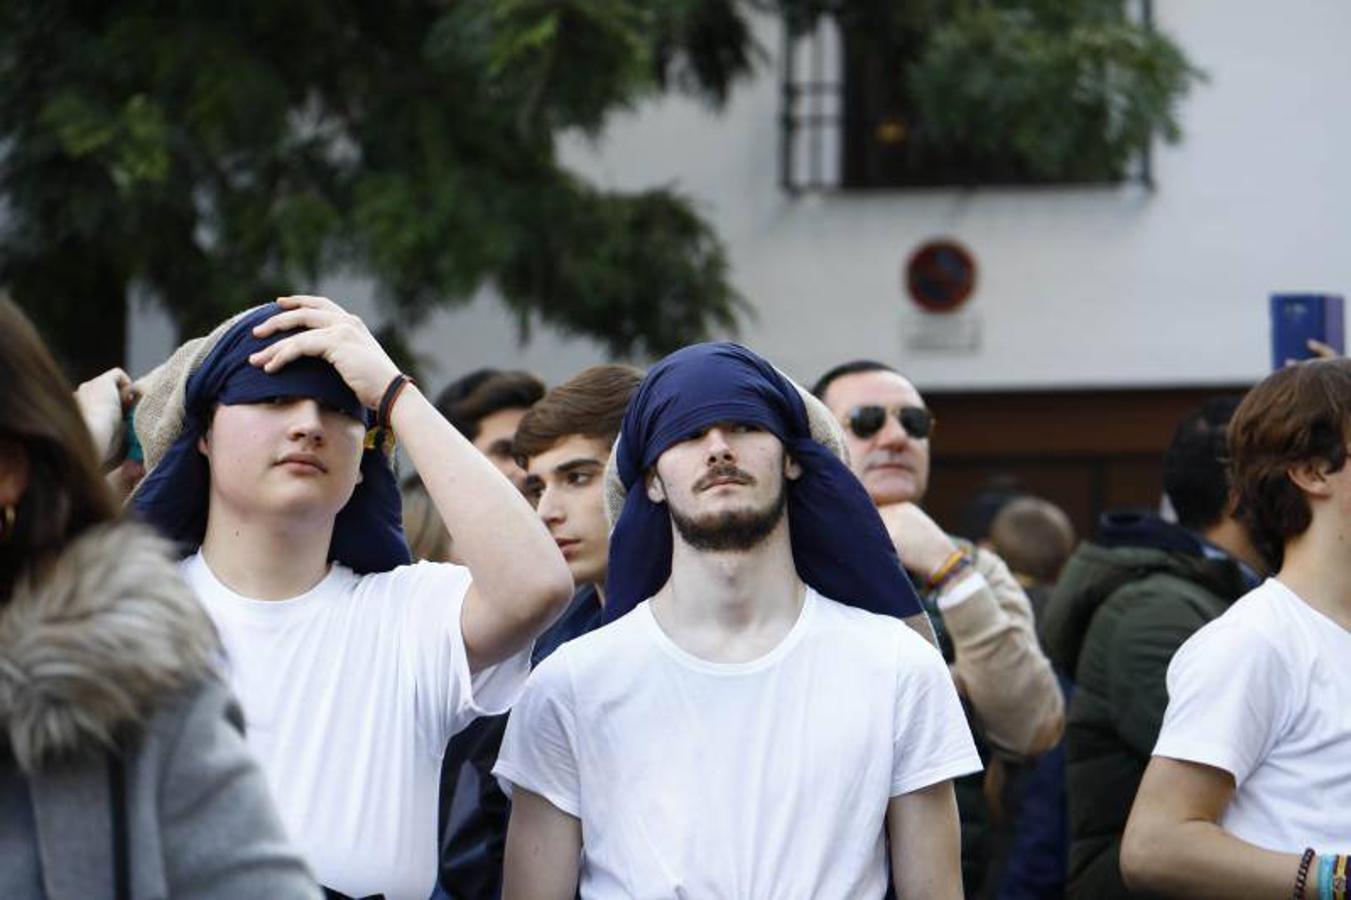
{"type": "Point", "coordinates": [846, 123]}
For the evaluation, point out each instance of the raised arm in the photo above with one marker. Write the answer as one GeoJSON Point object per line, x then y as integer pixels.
{"type": "Point", "coordinates": [544, 850]}
{"type": "Point", "coordinates": [521, 582]}
{"type": "Point", "coordinates": [103, 403]}
{"type": "Point", "coordinates": [1174, 846]}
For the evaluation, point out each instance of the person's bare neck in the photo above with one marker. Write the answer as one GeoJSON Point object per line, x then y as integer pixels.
{"type": "Point", "coordinates": [1232, 537]}
{"type": "Point", "coordinates": [1317, 567]}
{"type": "Point", "coordinates": [264, 559]}
{"type": "Point", "coordinates": [731, 607]}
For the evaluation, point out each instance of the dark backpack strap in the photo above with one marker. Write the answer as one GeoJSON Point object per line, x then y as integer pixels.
{"type": "Point", "coordinates": [117, 788]}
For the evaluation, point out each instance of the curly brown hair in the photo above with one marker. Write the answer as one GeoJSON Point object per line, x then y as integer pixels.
{"type": "Point", "coordinates": [1298, 414]}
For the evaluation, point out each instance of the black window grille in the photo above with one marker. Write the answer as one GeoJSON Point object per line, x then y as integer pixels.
{"type": "Point", "coordinates": [843, 124]}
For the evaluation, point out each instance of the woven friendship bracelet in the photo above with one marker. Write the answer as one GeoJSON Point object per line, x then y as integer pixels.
{"type": "Point", "coordinates": [956, 563]}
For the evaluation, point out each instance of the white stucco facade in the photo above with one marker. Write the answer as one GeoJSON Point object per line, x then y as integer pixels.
{"type": "Point", "coordinates": [1101, 286]}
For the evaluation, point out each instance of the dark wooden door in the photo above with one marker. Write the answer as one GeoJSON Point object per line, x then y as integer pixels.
{"type": "Point", "coordinates": [1086, 451]}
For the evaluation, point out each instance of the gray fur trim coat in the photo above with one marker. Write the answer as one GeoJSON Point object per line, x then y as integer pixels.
{"type": "Point", "coordinates": [109, 649]}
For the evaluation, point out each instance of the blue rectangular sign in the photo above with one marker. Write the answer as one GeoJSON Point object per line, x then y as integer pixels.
{"type": "Point", "coordinates": [1297, 318]}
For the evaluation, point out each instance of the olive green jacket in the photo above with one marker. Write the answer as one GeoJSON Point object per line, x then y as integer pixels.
{"type": "Point", "coordinates": [1115, 620]}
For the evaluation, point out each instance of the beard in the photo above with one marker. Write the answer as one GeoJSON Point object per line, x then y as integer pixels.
{"type": "Point", "coordinates": [734, 531]}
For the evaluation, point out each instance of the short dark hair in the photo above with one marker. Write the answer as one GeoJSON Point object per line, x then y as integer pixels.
{"type": "Point", "coordinates": [1194, 476]}
{"type": "Point", "coordinates": [469, 400]}
{"type": "Point", "coordinates": [1034, 536]}
{"type": "Point", "coordinates": [590, 403]}
{"type": "Point", "coordinates": [853, 367]}
{"type": "Point", "coordinates": [66, 493]}
{"type": "Point", "coordinates": [1298, 414]}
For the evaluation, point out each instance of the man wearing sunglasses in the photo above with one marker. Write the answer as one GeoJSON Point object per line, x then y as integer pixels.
{"type": "Point", "coordinates": [982, 616]}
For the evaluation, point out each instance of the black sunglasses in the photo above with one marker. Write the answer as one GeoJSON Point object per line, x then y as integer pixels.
{"type": "Point", "coordinates": [866, 421]}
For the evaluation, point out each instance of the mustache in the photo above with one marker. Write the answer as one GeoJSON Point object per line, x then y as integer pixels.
{"type": "Point", "coordinates": [725, 472]}
{"type": "Point", "coordinates": [884, 457]}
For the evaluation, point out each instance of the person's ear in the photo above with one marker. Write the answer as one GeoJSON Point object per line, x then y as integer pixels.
{"type": "Point", "coordinates": [656, 491]}
{"type": "Point", "coordinates": [203, 444]}
{"type": "Point", "coordinates": [13, 473]}
{"type": "Point", "coordinates": [791, 470]}
{"type": "Point", "coordinates": [1311, 477]}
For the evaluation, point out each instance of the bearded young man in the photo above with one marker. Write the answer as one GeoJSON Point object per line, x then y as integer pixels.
{"type": "Point", "coordinates": [352, 666]}
{"type": "Point", "coordinates": [735, 731]}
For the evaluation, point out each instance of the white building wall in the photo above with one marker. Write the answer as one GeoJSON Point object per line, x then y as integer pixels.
{"type": "Point", "coordinates": [1100, 286]}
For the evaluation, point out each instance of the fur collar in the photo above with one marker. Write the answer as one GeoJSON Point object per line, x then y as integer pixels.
{"type": "Point", "coordinates": [94, 643]}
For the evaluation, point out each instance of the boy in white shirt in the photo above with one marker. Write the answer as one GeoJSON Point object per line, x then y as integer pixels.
{"type": "Point", "coordinates": [1249, 788]}
{"type": "Point", "coordinates": [735, 732]}
{"type": "Point", "coordinates": [353, 667]}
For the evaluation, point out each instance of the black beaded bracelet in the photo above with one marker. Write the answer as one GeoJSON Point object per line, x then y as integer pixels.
{"type": "Point", "coordinates": [1302, 876]}
{"type": "Point", "coordinates": [396, 386]}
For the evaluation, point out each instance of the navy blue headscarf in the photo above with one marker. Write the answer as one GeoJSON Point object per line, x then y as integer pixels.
{"type": "Point", "coordinates": [840, 545]}
{"type": "Point", "coordinates": [368, 532]}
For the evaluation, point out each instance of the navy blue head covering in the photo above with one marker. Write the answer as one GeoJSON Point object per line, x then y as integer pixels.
{"type": "Point", "coordinates": [840, 545]}
{"type": "Point", "coordinates": [368, 532]}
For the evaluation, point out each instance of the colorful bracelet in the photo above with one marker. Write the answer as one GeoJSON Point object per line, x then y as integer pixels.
{"type": "Point", "coordinates": [1302, 875]}
{"type": "Point", "coordinates": [1339, 878]}
{"type": "Point", "coordinates": [1325, 866]}
{"type": "Point", "coordinates": [956, 563]}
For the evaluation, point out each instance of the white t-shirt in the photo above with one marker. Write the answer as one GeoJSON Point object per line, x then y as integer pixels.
{"type": "Point", "coordinates": [350, 692]}
{"type": "Point", "coordinates": [750, 780]}
{"type": "Point", "coordinates": [1264, 693]}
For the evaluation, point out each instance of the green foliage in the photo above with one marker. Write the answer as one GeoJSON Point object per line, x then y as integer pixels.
{"type": "Point", "coordinates": [1013, 90]}
{"type": "Point", "coordinates": [648, 251]}
{"type": "Point", "coordinates": [1075, 100]}
{"type": "Point", "coordinates": [212, 155]}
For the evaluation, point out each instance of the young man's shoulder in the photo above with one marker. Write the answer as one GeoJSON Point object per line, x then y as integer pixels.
{"type": "Point", "coordinates": [1260, 628]}
{"type": "Point", "coordinates": [866, 631]}
{"type": "Point", "coordinates": [601, 646]}
{"type": "Point", "coordinates": [1258, 617]}
{"type": "Point", "coordinates": [423, 592]}
{"type": "Point", "coordinates": [836, 629]}
{"type": "Point", "coordinates": [403, 579]}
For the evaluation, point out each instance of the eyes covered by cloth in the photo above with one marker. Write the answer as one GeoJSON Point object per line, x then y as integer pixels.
{"type": "Point", "coordinates": [840, 546]}
{"type": "Point", "coordinates": [175, 410]}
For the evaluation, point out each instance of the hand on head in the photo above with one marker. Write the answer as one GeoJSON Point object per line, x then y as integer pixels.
{"type": "Point", "coordinates": [332, 334]}
{"type": "Point", "coordinates": [104, 401]}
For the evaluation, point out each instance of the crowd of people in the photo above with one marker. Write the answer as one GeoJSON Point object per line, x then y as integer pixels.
{"type": "Point", "coordinates": [682, 633]}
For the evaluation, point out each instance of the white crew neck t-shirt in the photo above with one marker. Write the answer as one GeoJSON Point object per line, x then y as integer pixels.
{"type": "Point", "coordinates": [350, 692]}
{"type": "Point", "coordinates": [1264, 693]}
{"type": "Point", "coordinates": [750, 780]}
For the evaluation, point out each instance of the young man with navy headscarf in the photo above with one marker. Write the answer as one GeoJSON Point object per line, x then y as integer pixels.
{"type": "Point", "coordinates": [352, 666]}
{"type": "Point", "coordinates": [755, 720]}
